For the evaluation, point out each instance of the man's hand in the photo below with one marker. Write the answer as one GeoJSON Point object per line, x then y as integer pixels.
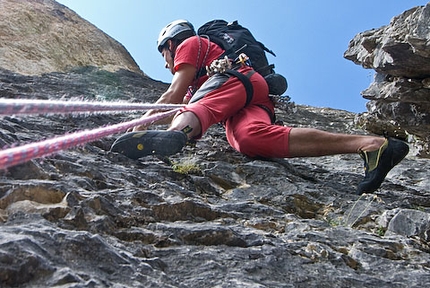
{"type": "Point", "coordinates": [143, 127]}
{"type": "Point", "coordinates": [182, 79]}
{"type": "Point", "coordinates": [138, 128]}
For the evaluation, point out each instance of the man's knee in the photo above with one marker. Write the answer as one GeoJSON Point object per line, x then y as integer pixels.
{"type": "Point", "coordinates": [249, 142]}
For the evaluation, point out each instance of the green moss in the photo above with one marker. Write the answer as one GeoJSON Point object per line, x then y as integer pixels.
{"type": "Point", "coordinates": [186, 168]}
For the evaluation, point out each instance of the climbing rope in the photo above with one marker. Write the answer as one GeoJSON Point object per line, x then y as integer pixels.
{"type": "Point", "coordinates": [34, 106]}
{"type": "Point", "coordinates": [21, 154]}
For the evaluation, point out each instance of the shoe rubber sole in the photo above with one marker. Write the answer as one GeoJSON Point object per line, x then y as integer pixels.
{"type": "Point", "coordinates": [139, 144]}
{"type": "Point", "coordinates": [392, 155]}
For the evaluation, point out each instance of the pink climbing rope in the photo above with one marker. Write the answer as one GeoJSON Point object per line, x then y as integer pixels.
{"type": "Point", "coordinates": [35, 106]}
{"type": "Point", "coordinates": [18, 155]}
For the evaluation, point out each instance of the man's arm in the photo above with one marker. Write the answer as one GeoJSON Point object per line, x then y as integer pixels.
{"type": "Point", "coordinates": [182, 79]}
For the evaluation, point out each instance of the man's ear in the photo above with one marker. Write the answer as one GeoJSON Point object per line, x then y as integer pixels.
{"type": "Point", "coordinates": [171, 45]}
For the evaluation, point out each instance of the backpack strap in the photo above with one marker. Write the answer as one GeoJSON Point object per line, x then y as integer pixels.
{"type": "Point", "coordinates": [243, 78]}
{"type": "Point", "coordinates": [245, 81]}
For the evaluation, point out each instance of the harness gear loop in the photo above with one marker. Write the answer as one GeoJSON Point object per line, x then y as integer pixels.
{"type": "Point", "coordinates": [224, 66]}
{"type": "Point", "coordinates": [218, 66]}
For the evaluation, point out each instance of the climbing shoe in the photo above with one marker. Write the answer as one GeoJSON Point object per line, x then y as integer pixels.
{"type": "Point", "coordinates": [135, 145]}
{"type": "Point", "coordinates": [378, 163]}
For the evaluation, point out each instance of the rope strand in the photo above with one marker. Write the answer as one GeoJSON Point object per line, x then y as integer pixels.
{"type": "Point", "coordinates": [33, 106]}
{"type": "Point", "coordinates": [18, 155]}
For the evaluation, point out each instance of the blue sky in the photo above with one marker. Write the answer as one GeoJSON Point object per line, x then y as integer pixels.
{"type": "Point", "coordinates": [308, 37]}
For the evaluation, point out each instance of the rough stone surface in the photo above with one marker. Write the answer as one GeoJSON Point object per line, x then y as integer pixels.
{"type": "Point", "coordinates": [43, 36]}
{"type": "Point", "coordinates": [207, 217]}
{"type": "Point", "coordinates": [400, 94]}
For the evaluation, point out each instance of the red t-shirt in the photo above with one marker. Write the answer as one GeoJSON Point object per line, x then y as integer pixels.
{"type": "Point", "coordinates": [199, 52]}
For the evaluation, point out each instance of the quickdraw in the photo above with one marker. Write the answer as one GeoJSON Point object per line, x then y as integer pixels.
{"type": "Point", "coordinates": [218, 66]}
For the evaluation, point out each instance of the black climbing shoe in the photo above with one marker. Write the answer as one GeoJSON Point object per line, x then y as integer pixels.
{"type": "Point", "coordinates": [378, 163]}
{"type": "Point", "coordinates": [150, 142]}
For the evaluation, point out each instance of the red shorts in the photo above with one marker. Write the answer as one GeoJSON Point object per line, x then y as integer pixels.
{"type": "Point", "coordinates": [249, 129]}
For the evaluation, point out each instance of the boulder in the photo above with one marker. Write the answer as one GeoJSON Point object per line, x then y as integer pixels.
{"type": "Point", "coordinates": [400, 93]}
{"type": "Point", "coordinates": [44, 36]}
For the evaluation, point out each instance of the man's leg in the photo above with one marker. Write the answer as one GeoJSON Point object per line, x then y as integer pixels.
{"type": "Point", "coordinates": [309, 142]}
{"type": "Point", "coordinates": [251, 135]}
{"type": "Point", "coordinates": [380, 155]}
{"type": "Point", "coordinates": [188, 123]}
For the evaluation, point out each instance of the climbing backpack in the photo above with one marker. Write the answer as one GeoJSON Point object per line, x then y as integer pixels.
{"type": "Point", "coordinates": [235, 40]}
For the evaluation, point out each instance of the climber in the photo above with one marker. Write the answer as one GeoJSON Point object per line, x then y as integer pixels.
{"type": "Point", "coordinates": [249, 128]}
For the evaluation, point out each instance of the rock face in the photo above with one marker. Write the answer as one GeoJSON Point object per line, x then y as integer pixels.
{"type": "Point", "coordinates": [43, 36]}
{"type": "Point", "coordinates": [206, 217]}
{"type": "Point", "coordinates": [400, 94]}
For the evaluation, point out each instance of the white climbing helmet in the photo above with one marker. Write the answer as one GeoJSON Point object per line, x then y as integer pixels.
{"type": "Point", "coordinates": [178, 30]}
